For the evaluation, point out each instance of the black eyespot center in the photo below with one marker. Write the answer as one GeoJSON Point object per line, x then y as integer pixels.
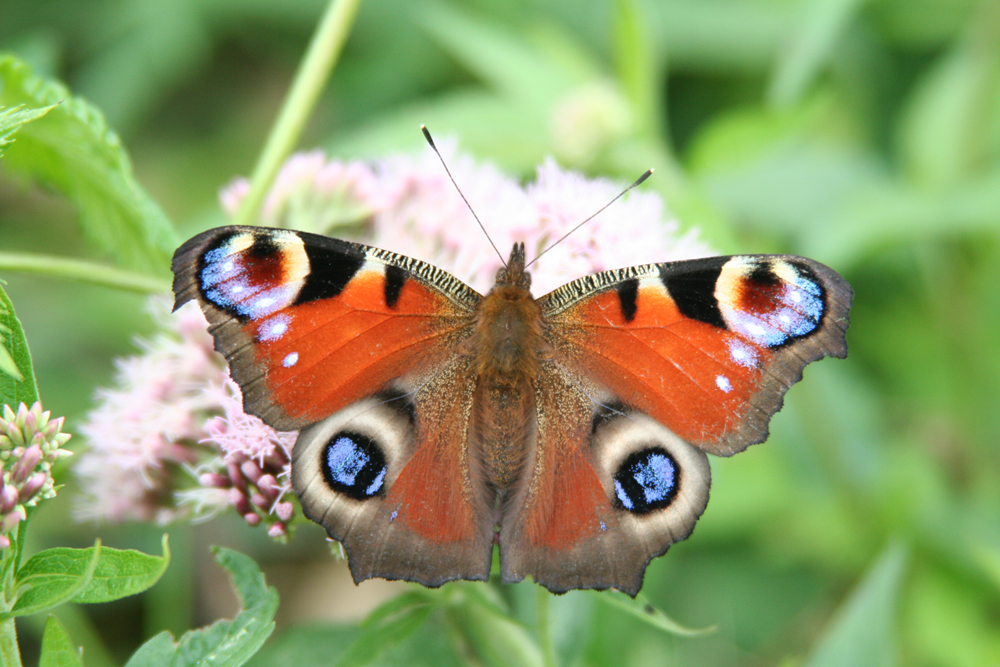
{"type": "Point", "coordinates": [353, 464]}
{"type": "Point", "coordinates": [647, 480]}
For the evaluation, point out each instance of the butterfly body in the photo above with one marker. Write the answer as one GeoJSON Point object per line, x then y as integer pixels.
{"type": "Point", "coordinates": [570, 430]}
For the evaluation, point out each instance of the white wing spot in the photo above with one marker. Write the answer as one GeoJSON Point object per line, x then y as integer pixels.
{"type": "Point", "coordinates": [723, 383]}
{"type": "Point", "coordinates": [290, 360]}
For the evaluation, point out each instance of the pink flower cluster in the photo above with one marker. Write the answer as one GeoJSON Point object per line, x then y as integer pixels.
{"type": "Point", "coordinates": [171, 438]}
{"type": "Point", "coordinates": [30, 442]}
{"type": "Point", "coordinates": [406, 204]}
{"type": "Point", "coordinates": [257, 463]}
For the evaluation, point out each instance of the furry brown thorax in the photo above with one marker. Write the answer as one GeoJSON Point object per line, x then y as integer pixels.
{"type": "Point", "coordinates": [508, 347]}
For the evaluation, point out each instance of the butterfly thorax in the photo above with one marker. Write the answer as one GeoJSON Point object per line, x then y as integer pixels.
{"type": "Point", "coordinates": [508, 348]}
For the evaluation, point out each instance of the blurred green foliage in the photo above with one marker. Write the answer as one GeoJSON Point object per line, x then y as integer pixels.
{"type": "Point", "coordinates": [863, 134]}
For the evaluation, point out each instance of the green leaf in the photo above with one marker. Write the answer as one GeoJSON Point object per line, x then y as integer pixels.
{"type": "Point", "coordinates": [73, 150]}
{"type": "Point", "coordinates": [502, 59]}
{"type": "Point", "coordinates": [58, 649]}
{"type": "Point", "coordinates": [638, 69]}
{"type": "Point", "coordinates": [377, 638]}
{"type": "Point", "coordinates": [17, 375]}
{"type": "Point", "coordinates": [810, 48]}
{"type": "Point", "coordinates": [944, 132]}
{"type": "Point", "coordinates": [893, 214]}
{"type": "Point", "coordinates": [322, 645]}
{"type": "Point", "coordinates": [224, 643]}
{"type": "Point", "coordinates": [53, 577]}
{"type": "Point", "coordinates": [491, 631]}
{"type": "Point", "coordinates": [306, 646]}
{"type": "Point", "coordinates": [389, 624]}
{"type": "Point", "coordinates": [641, 608]}
{"type": "Point", "coordinates": [121, 573]}
{"type": "Point", "coordinates": [96, 574]}
{"type": "Point", "coordinates": [12, 119]}
{"type": "Point", "coordinates": [861, 632]}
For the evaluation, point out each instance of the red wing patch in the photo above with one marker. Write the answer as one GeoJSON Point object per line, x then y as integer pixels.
{"type": "Point", "coordinates": [434, 495]}
{"type": "Point", "coordinates": [323, 355]}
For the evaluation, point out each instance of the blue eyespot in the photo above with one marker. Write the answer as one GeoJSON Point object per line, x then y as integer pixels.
{"type": "Point", "coordinates": [647, 480]}
{"type": "Point", "coordinates": [354, 465]}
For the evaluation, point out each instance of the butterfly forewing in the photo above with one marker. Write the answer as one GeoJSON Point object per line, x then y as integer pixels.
{"type": "Point", "coordinates": [311, 324]}
{"type": "Point", "coordinates": [707, 347]}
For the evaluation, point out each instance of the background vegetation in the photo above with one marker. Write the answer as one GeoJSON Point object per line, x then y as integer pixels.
{"type": "Point", "coordinates": [863, 134]}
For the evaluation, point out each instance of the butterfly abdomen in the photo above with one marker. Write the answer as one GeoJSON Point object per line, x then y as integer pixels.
{"type": "Point", "coordinates": [508, 347]}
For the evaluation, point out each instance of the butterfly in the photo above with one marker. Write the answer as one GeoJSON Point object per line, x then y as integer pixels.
{"type": "Point", "coordinates": [570, 430]}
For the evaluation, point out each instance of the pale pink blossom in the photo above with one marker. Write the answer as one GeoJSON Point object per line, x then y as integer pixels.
{"type": "Point", "coordinates": [147, 427]}
{"type": "Point", "coordinates": [411, 207]}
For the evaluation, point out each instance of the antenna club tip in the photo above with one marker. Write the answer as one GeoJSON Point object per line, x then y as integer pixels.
{"type": "Point", "coordinates": [640, 180]}
{"type": "Point", "coordinates": [427, 135]}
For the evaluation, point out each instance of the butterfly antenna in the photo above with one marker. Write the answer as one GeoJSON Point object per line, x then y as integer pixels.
{"type": "Point", "coordinates": [427, 136]}
{"type": "Point", "coordinates": [638, 181]}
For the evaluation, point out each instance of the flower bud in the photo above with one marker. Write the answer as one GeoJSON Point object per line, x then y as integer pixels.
{"type": "Point", "coordinates": [33, 486]}
{"type": "Point", "coordinates": [236, 475]}
{"type": "Point", "coordinates": [238, 500]}
{"type": "Point", "coordinates": [268, 485]}
{"type": "Point", "coordinates": [26, 464]}
{"type": "Point", "coordinates": [11, 519]}
{"type": "Point", "coordinates": [8, 498]}
{"type": "Point", "coordinates": [214, 480]}
{"type": "Point", "coordinates": [284, 510]}
{"type": "Point", "coordinates": [260, 501]}
{"type": "Point", "coordinates": [251, 470]}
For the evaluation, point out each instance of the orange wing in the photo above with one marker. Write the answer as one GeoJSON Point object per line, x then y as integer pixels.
{"type": "Point", "coordinates": [707, 347]}
{"type": "Point", "coordinates": [311, 324]}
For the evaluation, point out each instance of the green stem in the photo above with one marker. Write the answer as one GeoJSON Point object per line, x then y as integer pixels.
{"type": "Point", "coordinates": [82, 271]}
{"type": "Point", "coordinates": [544, 626]}
{"type": "Point", "coordinates": [10, 654]}
{"type": "Point", "coordinates": [309, 82]}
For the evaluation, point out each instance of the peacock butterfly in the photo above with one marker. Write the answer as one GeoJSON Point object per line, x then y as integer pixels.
{"type": "Point", "coordinates": [571, 429]}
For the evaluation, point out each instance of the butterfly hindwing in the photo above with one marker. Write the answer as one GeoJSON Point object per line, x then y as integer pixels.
{"type": "Point", "coordinates": [389, 477]}
{"type": "Point", "coordinates": [311, 324]}
{"type": "Point", "coordinates": [607, 490]}
{"type": "Point", "coordinates": [707, 347]}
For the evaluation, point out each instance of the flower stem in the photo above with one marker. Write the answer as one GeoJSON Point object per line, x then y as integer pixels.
{"type": "Point", "coordinates": [309, 81]}
{"type": "Point", "coordinates": [544, 626]}
{"type": "Point", "coordinates": [82, 271]}
{"type": "Point", "coordinates": [10, 654]}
